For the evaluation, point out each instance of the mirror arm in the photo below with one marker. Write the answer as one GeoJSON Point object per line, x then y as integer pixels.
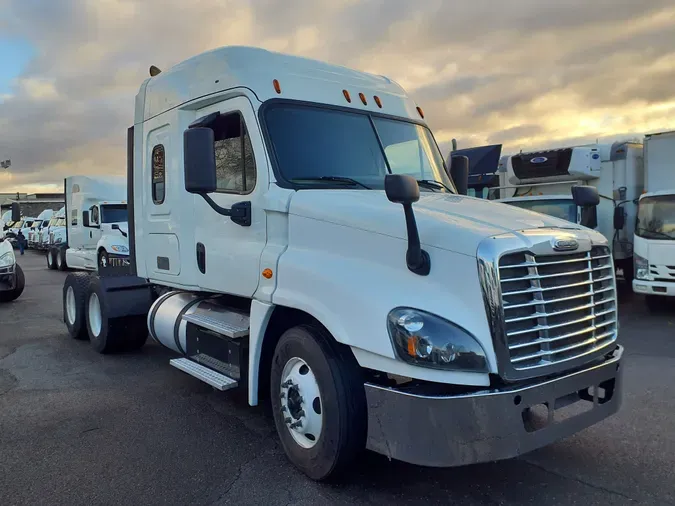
{"type": "Point", "coordinates": [416, 258]}
{"type": "Point", "coordinates": [240, 213]}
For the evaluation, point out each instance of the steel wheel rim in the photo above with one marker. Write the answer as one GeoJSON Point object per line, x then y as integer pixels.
{"type": "Point", "coordinates": [301, 404]}
{"type": "Point", "coordinates": [58, 260]}
{"type": "Point", "coordinates": [71, 310]}
{"type": "Point", "coordinates": [94, 314]}
{"type": "Point", "coordinates": [50, 258]}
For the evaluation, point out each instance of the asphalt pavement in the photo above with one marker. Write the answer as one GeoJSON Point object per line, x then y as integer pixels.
{"type": "Point", "coordinates": [77, 428]}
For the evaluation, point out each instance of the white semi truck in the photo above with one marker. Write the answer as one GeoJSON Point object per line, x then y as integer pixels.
{"type": "Point", "coordinates": [96, 225]}
{"type": "Point", "coordinates": [293, 232]}
{"type": "Point", "coordinates": [43, 238]}
{"type": "Point", "coordinates": [40, 223]}
{"type": "Point", "coordinates": [12, 280]}
{"type": "Point", "coordinates": [541, 181]}
{"type": "Point", "coordinates": [654, 242]}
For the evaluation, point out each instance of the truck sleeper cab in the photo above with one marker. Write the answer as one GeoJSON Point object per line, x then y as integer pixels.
{"type": "Point", "coordinates": [293, 231]}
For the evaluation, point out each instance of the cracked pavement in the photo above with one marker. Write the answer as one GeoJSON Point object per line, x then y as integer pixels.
{"type": "Point", "coordinates": [80, 428]}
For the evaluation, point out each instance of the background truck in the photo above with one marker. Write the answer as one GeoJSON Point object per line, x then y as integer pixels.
{"type": "Point", "coordinates": [294, 232]}
{"type": "Point", "coordinates": [541, 181]}
{"type": "Point", "coordinates": [41, 222]}
{"type": "Point", "coordinates": [43, 238]}
{"type": "Point", "coordinates": [654, 242]}
{"type": "Point", "coordinates": [12, 280]}
{"type": "Point", "coordinates": [96, 224]}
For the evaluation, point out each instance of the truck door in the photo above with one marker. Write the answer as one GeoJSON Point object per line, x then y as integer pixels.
{"type": "Point", "coordinates": [227, 254]}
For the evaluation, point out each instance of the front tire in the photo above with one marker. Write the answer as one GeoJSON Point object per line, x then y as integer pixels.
{"type": "Point", "coordinates": [656, 303]}
{"type": "Point", "coordinates": [321, 418]}
{"type": "Point", "coordinates": [103, 259]}
{"type": "Point", "coordinates": [51, 259]}
{"type": "Point", "coordinates": [61, 260]}
{"type": "Point", "coordinates": [74, 300]}
{"type": "Point", "coordinates": [14, 294]}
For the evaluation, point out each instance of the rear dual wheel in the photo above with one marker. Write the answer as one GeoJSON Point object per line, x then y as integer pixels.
{"type": "Point", "coordinates": [85, 312]}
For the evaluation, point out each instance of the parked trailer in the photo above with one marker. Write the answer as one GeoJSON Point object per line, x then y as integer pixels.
{"type": "Point", "coordinates": [293, 232]}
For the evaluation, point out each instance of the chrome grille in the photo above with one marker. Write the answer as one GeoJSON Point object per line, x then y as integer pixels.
{"type": "Point", "coordinates": [557, 307]}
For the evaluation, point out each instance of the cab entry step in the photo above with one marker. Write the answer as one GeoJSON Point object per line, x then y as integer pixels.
{"type": "Point", "coordinates": [221, 323]}
{"type": "Point", "coordinates": [213, 378]}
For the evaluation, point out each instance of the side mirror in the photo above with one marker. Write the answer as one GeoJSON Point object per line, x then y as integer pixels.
{"type": "Point", "coordinates": [459, 173]}
{"type": "Point", "coordinates": [199, 160]}
{"type": "Point", "coordinates": [402, 189]}
{"type": "Point", "coordinates": [85, 218]}
{"type": "Point", "coordinates": [16, 211]}
{"type": "Point", "coordinates": [619, 218]}
{"type": "Point", "coordinates": [585, 196]}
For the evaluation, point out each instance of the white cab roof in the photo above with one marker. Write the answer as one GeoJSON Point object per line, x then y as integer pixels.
{"type": "Point", "coordinates": [659, 193]}
{"type": "Point", "coordinates": [256, 69]}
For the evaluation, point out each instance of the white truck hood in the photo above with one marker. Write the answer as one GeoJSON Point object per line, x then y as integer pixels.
{"type": "Point", "coordinates": [451, 222]}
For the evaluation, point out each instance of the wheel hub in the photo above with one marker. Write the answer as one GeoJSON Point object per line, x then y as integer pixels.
{"type": "Point", "coordinates": [301, 405]}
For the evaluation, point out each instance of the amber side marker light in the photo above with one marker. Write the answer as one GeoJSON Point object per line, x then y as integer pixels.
{"type": "Point", "coordinates": [347, 97]}
{"type": "Point", "coordinates": [378, 101]}
{"type": "Point", "coordinates": [267, 273]}
{"type": "Point", "coordinates": [277, 86]}
{"type": "Point", "coordinates": [363, 98]}
{"type": "Point", "coordinates": [420, 112]}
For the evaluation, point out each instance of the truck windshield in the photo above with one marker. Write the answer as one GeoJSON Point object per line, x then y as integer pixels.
{"type": "Point", "coordinates": [336, 148]}
{"type": "Point", "coordinates": [36, 224]}
{"type": "Point", "coordinates": [656, 217]}
{"type": "Point", "coordinates": [61, 222]}
{"type": "Point", "coordinates": [17, 224]}
{"type": "Point", "coordinates": [113, 213]}
{"type": "Point", "coordinates": [564, 209]}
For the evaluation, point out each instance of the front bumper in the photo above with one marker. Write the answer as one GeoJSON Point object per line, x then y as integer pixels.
{"type": "Point", "coordinates": [654, 287]}
{"type": "Point", "coordinates": [7, 278]}
{"type": "Point", "coordinates": [446, 431]}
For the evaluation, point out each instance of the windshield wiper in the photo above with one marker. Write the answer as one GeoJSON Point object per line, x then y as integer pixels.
{"type": "Point", "coordinates": [336, 179]}
{"type": "Point", "coordinates": [656, 232]}
{"type": "Point", "coordinates": [432, 183]}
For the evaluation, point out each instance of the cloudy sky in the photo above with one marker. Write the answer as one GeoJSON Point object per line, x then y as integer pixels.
{"type": "Point", "coordinates": [525, 73]}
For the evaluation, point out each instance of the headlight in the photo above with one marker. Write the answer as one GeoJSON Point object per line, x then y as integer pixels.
{"type": "Point", "coordinates": [119, 248]}
{"type": "Point", "coordinates": [641, 266]}
{"type": "Point", "coordinates": [427, 340]}
{"type": "Point", "coordinates": [7, 259]}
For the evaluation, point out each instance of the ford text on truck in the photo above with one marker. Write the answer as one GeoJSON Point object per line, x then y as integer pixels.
{"type": "Point", "coordinates": [12, 280]}
{"type": "Point", "coordinates": [96, 224]}
{"type": "Point", "coordinates": [541, 181]}
{"type": "Point", "coordinates": [293, 232]}
{"type": "Point", "coordinates": [655, 228]}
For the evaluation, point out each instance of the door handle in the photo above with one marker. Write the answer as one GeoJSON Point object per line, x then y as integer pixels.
{"type": "Point", "coordinates": [201, 257]}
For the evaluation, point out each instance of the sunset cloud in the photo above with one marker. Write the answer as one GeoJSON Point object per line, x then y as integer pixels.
{"type": "Point", "coordinates": [526, 73]}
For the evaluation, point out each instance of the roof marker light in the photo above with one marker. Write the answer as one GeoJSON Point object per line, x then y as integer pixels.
{"type": "Point", "coordinates": [363, 98]}
{"type": "Point", "coordinates": [378, 101]}
{"type": "Point", "coordinates": [347, 97]}
{"type": "Point", "coordinates": [277, 86]}
{"type": "Point", "coordinates": [420, 112]}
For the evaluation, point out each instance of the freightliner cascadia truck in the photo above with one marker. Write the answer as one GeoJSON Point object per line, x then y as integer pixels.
{"type": "Point", "coordinates": [294, 231]}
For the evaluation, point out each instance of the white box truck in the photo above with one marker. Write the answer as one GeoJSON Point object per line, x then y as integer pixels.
{"type": "Point", "coordinates": [655, 229]}
{"type": "Point", "coordinates": [541, 181]}
{"type": "Point", "coordinates": [96, 224]}
{"type": "Point", "coordinates": [293, 232]}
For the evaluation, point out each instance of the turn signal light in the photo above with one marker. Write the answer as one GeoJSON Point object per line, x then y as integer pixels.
{"type": "Point", "coordinates": [267, 273]}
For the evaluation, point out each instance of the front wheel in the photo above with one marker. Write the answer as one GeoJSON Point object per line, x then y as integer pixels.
{"type": "Point", "coordinates": [19, 285]}
{"type": "Point", "coordinates": [656, 303]}
{"type": "Point", "coordinates": [61, 259]}
{"type": "Point", "coordinates": [51, 259]}
{"type": "Point", "coordinates": [103, 259]}
{"type": "Point", "coordinates": [318, 401]}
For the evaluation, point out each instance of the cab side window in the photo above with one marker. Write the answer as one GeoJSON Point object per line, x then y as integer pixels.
{"type": "Point", "coordinates": [158, 174]}
{"type": "Point", "coordinates": [235, 164]}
